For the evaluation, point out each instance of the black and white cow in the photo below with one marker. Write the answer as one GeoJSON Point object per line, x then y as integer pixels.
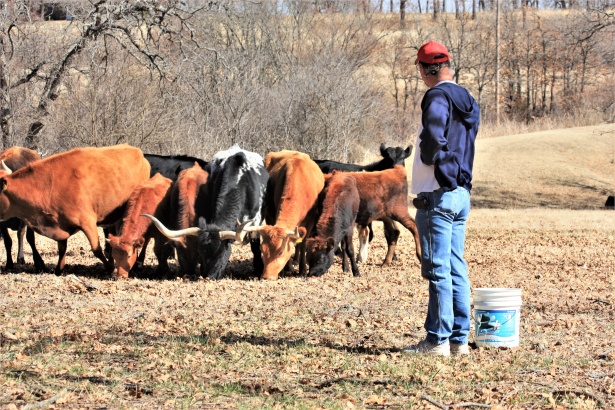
{"type": "Point", "coordinates": [234, 198]}
{"type": "Point", "coordinates": [391, 156]}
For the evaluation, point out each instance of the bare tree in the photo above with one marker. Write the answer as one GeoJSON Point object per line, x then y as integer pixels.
{"type": "Point", "coordinates": [140, 28]}
{"type": "Point", "coordinates": [481, 60]}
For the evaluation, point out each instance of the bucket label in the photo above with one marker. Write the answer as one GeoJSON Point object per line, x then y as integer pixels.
{"type": "Point", "coordinates": [496, 326]}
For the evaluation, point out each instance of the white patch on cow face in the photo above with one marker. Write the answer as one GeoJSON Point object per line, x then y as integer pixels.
{"type": "Point", "coordinates": [254, 161]}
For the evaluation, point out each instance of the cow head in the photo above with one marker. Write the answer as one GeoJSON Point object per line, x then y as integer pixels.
{"type": "Point", "coordinates": [277, 247]}
{"type": "Point", "coordinates": [396, 154]}
{"type": "Point", "coordinates": [214, 250]}
{"type": "Point", "coordinates": [214, 244]}
{"type": "Point", "coordinates": [319, 254]}
{"type": "Point", "coordinates": [124, 253]}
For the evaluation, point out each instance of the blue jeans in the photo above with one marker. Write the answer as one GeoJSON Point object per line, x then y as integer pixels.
{"type": "Point", "coordinates": [442, 230]}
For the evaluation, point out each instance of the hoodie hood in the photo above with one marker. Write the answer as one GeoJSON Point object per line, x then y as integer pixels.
{"type": "Point", "coordinates": [466, 106]}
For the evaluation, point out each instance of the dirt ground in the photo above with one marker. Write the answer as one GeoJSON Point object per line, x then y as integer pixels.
{"type": "Point", "coordinates": [83, 341]}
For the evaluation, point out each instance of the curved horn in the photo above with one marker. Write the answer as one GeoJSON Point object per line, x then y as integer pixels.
{"type": "Point", "coordinates": [6, 168]}
{"type": "Point", "coordinates": [175, 235]}
{"type": "Point", "coordinates": [239, 234]}
{"type": "Point", "coordinates": [254, 228]}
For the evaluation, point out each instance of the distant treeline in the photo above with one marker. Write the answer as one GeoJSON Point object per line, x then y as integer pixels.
{"type": "Point", "coordinates": [188, 77]}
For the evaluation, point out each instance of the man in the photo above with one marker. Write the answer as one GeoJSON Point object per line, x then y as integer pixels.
{"type": "Point", "coordinates": [442, 179]}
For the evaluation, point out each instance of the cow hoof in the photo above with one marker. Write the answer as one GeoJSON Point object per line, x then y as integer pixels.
{"type": "Point", "coordinates": [21, 261]}
{"type": "Point", "coordinates": [269, 277]}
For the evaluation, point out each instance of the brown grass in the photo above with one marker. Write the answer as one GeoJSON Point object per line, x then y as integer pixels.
{"type": "Point", "coordinates": [568, 168]}
{"type": "Point", "coordinates": [333, 342]}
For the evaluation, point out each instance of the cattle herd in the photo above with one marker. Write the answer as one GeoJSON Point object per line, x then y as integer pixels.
{"type": "Point", "coordinates": [285, 206]}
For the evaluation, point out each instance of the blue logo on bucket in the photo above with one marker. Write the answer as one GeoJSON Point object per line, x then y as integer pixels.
{"type": "Point", "coordinates": [501, 323]}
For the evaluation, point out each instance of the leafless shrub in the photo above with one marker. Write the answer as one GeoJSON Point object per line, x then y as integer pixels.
{"type": "Point", "coordinates": [192, 78]}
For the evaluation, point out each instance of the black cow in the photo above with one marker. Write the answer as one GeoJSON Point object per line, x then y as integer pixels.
{"type": "Point", "coordinates": [234, 195]}
{"type": "Point", "coordinates": [391, 156]}
{"type": "Point", "coordinates": [169, 166]}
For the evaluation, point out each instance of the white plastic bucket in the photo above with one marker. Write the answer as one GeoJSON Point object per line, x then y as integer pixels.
{"type": "Point", "coordinates": [497, 317]}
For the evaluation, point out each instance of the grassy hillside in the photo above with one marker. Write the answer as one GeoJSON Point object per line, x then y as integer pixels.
{"type": "Point", "coordinates": [570, 168]}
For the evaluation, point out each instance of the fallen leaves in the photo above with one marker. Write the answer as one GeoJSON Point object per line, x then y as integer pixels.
{"type": "Point", "coordinates": [141, 343]}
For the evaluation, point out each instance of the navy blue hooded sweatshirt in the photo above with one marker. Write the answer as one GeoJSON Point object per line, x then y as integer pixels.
{"type": "Point", "coordinates": [450, 123]}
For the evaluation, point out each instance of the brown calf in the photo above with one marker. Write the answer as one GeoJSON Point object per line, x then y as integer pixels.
{"type": "Point", "coordinates": [150, 197]}
{"type": "Point", "coordinates": [339, 206]}
{"type": "Point", "coordinates": [384, 194]}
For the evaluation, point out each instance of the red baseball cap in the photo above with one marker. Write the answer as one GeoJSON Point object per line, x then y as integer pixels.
{"type": "Point", "coordinates": [432, 53]}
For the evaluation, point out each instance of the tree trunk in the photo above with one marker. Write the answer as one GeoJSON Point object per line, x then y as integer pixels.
{"type": "Point", "coordinates": [5, 110]}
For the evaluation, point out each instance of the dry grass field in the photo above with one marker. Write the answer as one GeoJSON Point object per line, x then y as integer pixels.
{"type": "Point", "coordinates": [82, 341]}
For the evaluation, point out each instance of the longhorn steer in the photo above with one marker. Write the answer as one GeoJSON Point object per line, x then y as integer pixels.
{"type": "Point", "coordinates": [384, 194]}
{"type": "Point", "coordinates": [74, 191]}
{"type": "Point", "coordinates": [15, 158]}
{"type": "Point", "coordinates": [150, 197]}
{"type": "Point", "coordinates": [295, 181]}
{"type": "Point", "coordinates": [169, 166]}
{"type": "Point", "coordinates": [235, 191]}
{"type": "Point", "coordinates": [184, 195]}
{"type": "Point", "coordinates": [339, 202]}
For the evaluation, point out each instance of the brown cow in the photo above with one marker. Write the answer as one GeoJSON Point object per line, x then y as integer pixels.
{"type": "Point", "coordinates": [15, 158]}
{"type": "Point", "coordinates": [150, 197]}
{"type": "Point", "coordinates": [384, 194]}
{"type": "Point", "coordinates": [295, 181]}
{"type": "Point", "coordinates": [74, 191]}
{"type": "Point", "coordinates": [338, 208]}
{"type": "Point", "coordinates": [184, 196]}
